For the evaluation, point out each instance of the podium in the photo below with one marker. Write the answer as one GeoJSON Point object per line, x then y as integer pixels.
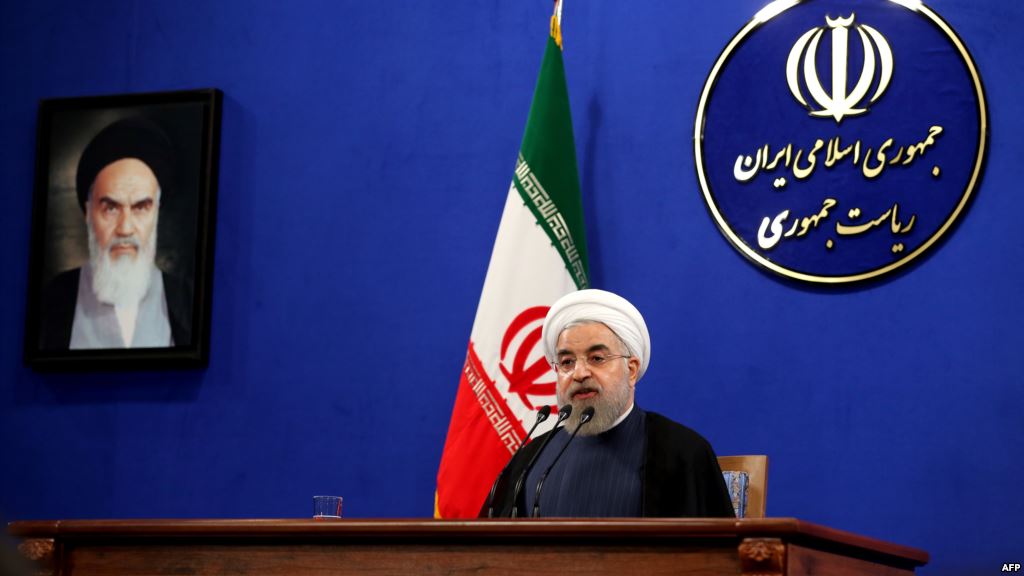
{"type": "Point", "coordinates": [689, 546]}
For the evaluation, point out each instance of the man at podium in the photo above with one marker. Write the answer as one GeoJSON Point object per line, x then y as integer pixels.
{"type": "Point", "coordinates": [623, 461]}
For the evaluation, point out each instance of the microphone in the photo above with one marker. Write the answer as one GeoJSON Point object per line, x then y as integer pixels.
{"type": "Point", "coordinates": [542, 415]}
{"type": "Point", "coordinates": [587, 416]}
{"type": "Point", "coordinates": [563, 414]}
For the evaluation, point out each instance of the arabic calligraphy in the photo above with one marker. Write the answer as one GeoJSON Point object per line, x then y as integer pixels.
{"type": "Point", "coordinates": [767, 242]}
{"type": "Point", "coordinates": [802, 163]}
{"type": "Point", "coordinates": [770, 232]}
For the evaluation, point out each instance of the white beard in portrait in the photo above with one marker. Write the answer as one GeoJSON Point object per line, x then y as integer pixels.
{"type": "Point", "coordinates": [124, 281]}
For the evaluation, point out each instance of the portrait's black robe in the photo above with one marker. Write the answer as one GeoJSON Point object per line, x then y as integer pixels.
{"type": "Point", "coordinates": [681, 476]}
{"type": "Point", "coordinates": [61, 296]}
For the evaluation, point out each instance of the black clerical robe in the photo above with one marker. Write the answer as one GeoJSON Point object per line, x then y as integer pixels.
{"type": "Point", "coordinates": [681, 476]}
{"type": "Point", "coordinates": [61, 296]}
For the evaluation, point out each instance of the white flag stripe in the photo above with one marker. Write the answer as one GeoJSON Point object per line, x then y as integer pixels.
{"type": "Point", "coordinates": [525, 271]}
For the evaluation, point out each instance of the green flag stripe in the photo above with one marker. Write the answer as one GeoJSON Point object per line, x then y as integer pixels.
{"type": "Point", "coordinates": [546, 175]}
{"type": "Point", "coordinates": [553, 222]}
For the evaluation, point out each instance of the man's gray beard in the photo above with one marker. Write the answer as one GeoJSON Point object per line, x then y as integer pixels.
{"type": "Point", "coordinates": [125, 281]}
{"type": "Point", "coordinates": [608, 405]}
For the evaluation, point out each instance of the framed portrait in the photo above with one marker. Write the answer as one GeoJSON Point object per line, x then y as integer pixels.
{"type": "Point", "coordinates": [123, 218]}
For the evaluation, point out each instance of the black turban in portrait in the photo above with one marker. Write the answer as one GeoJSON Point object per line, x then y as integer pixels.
{"type": "Point", "coordinates": [135, 137]}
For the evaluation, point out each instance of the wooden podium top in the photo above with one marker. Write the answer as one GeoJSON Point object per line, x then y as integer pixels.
{"type": "Point", "coordinates": [790, 538]}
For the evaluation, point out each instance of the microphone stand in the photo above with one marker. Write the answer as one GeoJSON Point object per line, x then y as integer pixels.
{"type": "Point", "coordinates": [587, 416]}
{"type": "Point", "coordinates": [563, 414]}
{"type": "Point", "coordinates": [542, 415]}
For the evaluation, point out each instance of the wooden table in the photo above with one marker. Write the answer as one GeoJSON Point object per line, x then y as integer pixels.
{"type": "Point", "coordinates": [771, 546]}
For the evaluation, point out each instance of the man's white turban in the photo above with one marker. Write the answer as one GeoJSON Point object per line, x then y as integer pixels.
{"type": "Point", "coordinates": [612, 310]}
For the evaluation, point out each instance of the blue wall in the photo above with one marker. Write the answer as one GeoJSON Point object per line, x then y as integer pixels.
{"type": "Point", "coordinates": [367, 150]}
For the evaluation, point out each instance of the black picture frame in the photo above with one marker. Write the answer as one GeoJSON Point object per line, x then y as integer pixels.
{"type": "Point", "coordinates": [64, 312]}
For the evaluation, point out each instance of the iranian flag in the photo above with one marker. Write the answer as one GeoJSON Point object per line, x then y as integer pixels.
{"type": "Point", "coordinates": [540, 254]}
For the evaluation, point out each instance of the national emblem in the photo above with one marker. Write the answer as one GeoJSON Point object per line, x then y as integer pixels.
{"type": "Point", "coordinates": [839, 103]}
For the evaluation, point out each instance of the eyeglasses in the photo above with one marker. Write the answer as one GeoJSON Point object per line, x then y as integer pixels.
{"type": "Point", "coordinates": [567, 364]}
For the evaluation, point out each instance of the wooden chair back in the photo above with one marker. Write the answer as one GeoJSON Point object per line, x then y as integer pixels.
{"type": "Point", "coordinates": [756, 467]}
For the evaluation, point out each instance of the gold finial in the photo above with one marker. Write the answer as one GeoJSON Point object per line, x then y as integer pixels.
{"type": "Point", "coordinates": [556, 31]}
{"type": "Point", "coordinates": [556, 24]}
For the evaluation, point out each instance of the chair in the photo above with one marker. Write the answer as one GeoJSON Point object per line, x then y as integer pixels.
{"type": "Point", "coordinates": [747, 480]}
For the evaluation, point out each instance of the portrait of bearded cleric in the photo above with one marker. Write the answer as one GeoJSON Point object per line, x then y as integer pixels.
{"type": "Point", "coordinates": [122, 237]}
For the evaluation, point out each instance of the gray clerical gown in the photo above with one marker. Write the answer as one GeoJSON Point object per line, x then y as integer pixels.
{"type": "Point", "coordinates": [95, 323]}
